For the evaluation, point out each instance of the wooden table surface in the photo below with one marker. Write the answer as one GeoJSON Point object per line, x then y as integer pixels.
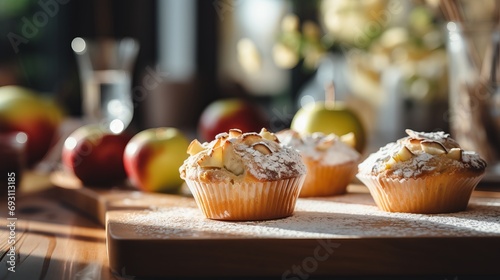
{"type": "Point", "coordinates": [53, 241]}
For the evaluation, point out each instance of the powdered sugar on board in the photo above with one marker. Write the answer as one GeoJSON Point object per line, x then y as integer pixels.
{"type": "Point", "coordinates": [336, 217]}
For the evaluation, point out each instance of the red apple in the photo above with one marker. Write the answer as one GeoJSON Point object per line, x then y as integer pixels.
{"type": "Point", "coordinates": [12, 145]}
{"type": "Point", "coordinates": [152, 159]}
{"type": "Point", "coordinates": [224, 114]}
{"type": "Point", "coordinates": [95, 155]}
{"type": "Point", "coordinates": [23, 110]}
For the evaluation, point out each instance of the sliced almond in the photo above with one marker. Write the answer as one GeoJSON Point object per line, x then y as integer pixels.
{"type": "Point", "coordinates": [232, 162]}
{"type": "Point", "coordinates": [251, 137]}
{"type": "Point", "coordinates": [419, 135]}
{"type": "Point", "coordinates": [390, 163]}
{"type": "Point", "coordinates": [215, 143]}
{"type": "Point", "coordinates": [217, 154]}
{"type": "Point", "coordinates": [234, 133]}
{"type": "Point", "coordinates": [349, 139]}
{"type": "Point", "coordinates": [235, 167]}
{"type": "Point", "coordinates": [268, 135]}
{"type": "Point", "coordinates": [433, 147]}
{"type": "Point", "coordinates": [403, 154]}
{"type": "Point", "coordinates": [212, 160]}
{"type": "Point", "coordinates": [262, 148]}
{"type": "Point", "coordinates": [209, 162]}
{"type": "Point", "coordinates": [222, 135]}
{"type": "Point", "coordinates": [414, 134]}
{"type": "Point", "coordinates": [455, 153]}
{"type": "Point", "coordinates": [413, 144]}
{"type": "Point", "coordinates": [325, 143]}
{"type": "Point", "coordinates": [194, 147]}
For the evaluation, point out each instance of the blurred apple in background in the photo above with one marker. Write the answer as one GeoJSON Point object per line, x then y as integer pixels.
{"type": "Point", "coordinates": [12, 146]}
{"type": "Point", "coordinates": [22, 109]}
{"type": "Point", "coordinates": [152, 159]}
{"type": "Point", "coordinates": [224, 114]}
{"type": "Point", "coordinates": [330, 117]}
{"type": "Point", "coordinates": [95, 155]}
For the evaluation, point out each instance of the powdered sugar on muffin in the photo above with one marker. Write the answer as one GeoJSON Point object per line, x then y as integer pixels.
{"type": "Point", "coordinates": [331, 164]}
{"type": "Point", "coordinates": [325, 149]}
{"type": "Point", "coordinates": [244, 176]}
{"type": "Point", "coordinates": [236, 155]}
{"type": "Point", "coordinates": [422, 173]}
{"type": "Point", "coordinates": [419, 154]}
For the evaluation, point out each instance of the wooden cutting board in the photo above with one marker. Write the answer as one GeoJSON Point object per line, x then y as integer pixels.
{"type": "Point", "coordinates": [343, 235]}
{"type": "Point", "coordinates": [158, 235]}
{"type": "Point", "coordinates": [96, 201]}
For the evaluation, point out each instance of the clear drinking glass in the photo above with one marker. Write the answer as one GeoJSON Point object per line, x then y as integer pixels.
{"type": "Point", "coordinates": [474, 87]}
{"type": "Point", "coordinates": [105, 67]}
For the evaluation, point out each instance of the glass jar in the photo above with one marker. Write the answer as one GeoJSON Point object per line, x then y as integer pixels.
{"type": "Point", "coordinates": [474, 96]}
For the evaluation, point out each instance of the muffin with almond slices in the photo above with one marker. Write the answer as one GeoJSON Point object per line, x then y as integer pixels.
{"type": "Point", "coordinates": [244, 176]}
{"type": "Point", "coordinates": [422, 173]}
{"type": "Point", "coordinates": [331, 163]}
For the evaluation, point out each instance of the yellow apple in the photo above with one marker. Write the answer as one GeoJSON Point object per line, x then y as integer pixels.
{"type": "Point", "coordinates": [152, 159]}
{"type": "Point", "coordinates": [22, 109]}
{"type": "Point", "coordinates": [323, 117]}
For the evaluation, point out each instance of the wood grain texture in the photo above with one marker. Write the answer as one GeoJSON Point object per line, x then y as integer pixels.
{"type": "Point", "coordinates": [156, 251]}
{"type": "Point", "coordinates": [53, 242]}
{"type": "Point", "coordinates": [281, 257]}
{"type": "Point", "coordinates": [344, 235]}
{"type": "Point", "coordinates": [95, 201]}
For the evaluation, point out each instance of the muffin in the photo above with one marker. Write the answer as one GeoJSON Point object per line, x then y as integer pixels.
{"type": "Point", "coordinates": [422, 173]}
{"type": "Point", "coordinates": [244, 176]}
{"type": "Point", "coordinates": [331, 164]}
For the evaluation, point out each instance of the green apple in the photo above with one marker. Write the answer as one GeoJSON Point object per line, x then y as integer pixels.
{"type": "Point", "coordinates": [22, 109]}
{"type": "Point", "coordinates": [152, 159]}
{"type": "Point", "coordinates": [328, 118]}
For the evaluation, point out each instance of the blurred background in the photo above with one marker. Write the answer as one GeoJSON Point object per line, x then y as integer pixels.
{"type": "Point", "coordinates": [387, 58]}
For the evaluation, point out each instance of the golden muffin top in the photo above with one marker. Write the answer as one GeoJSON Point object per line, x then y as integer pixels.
{"type": "Point", "coordinates": [237, 156]}
{"type": "Point", "coordinates": [327, 149]}
{"type": "Point", "coordinates": [421, 153]}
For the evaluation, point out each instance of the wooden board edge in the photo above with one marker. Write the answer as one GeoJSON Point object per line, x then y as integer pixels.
{"type": "Point", "coordinates": [286, 258]}
{"type": "Point", "coordinates": [289, 258]}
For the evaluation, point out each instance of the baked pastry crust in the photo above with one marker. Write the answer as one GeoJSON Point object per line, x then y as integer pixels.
{"type": "Point", "coordinates": [331, 164]}
{"type": "Point", "coordinates": [326, 149]}
{"type": "Point", "coordinates": [244, 176]}
{"type": "Point", "coordinates": [424, 173]}
{"type": "Point", "coordinates": [237, 157]}
{"type": "Point", "coordinates": [422, 154]}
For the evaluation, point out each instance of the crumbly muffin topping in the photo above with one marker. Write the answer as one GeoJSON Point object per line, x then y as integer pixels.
{"type": "Point", "coordinates": [236, 155]}
{"type": "Point", "coordinates": [421, 153]}
{"type": "Point", "coordinates": [326, 149]}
